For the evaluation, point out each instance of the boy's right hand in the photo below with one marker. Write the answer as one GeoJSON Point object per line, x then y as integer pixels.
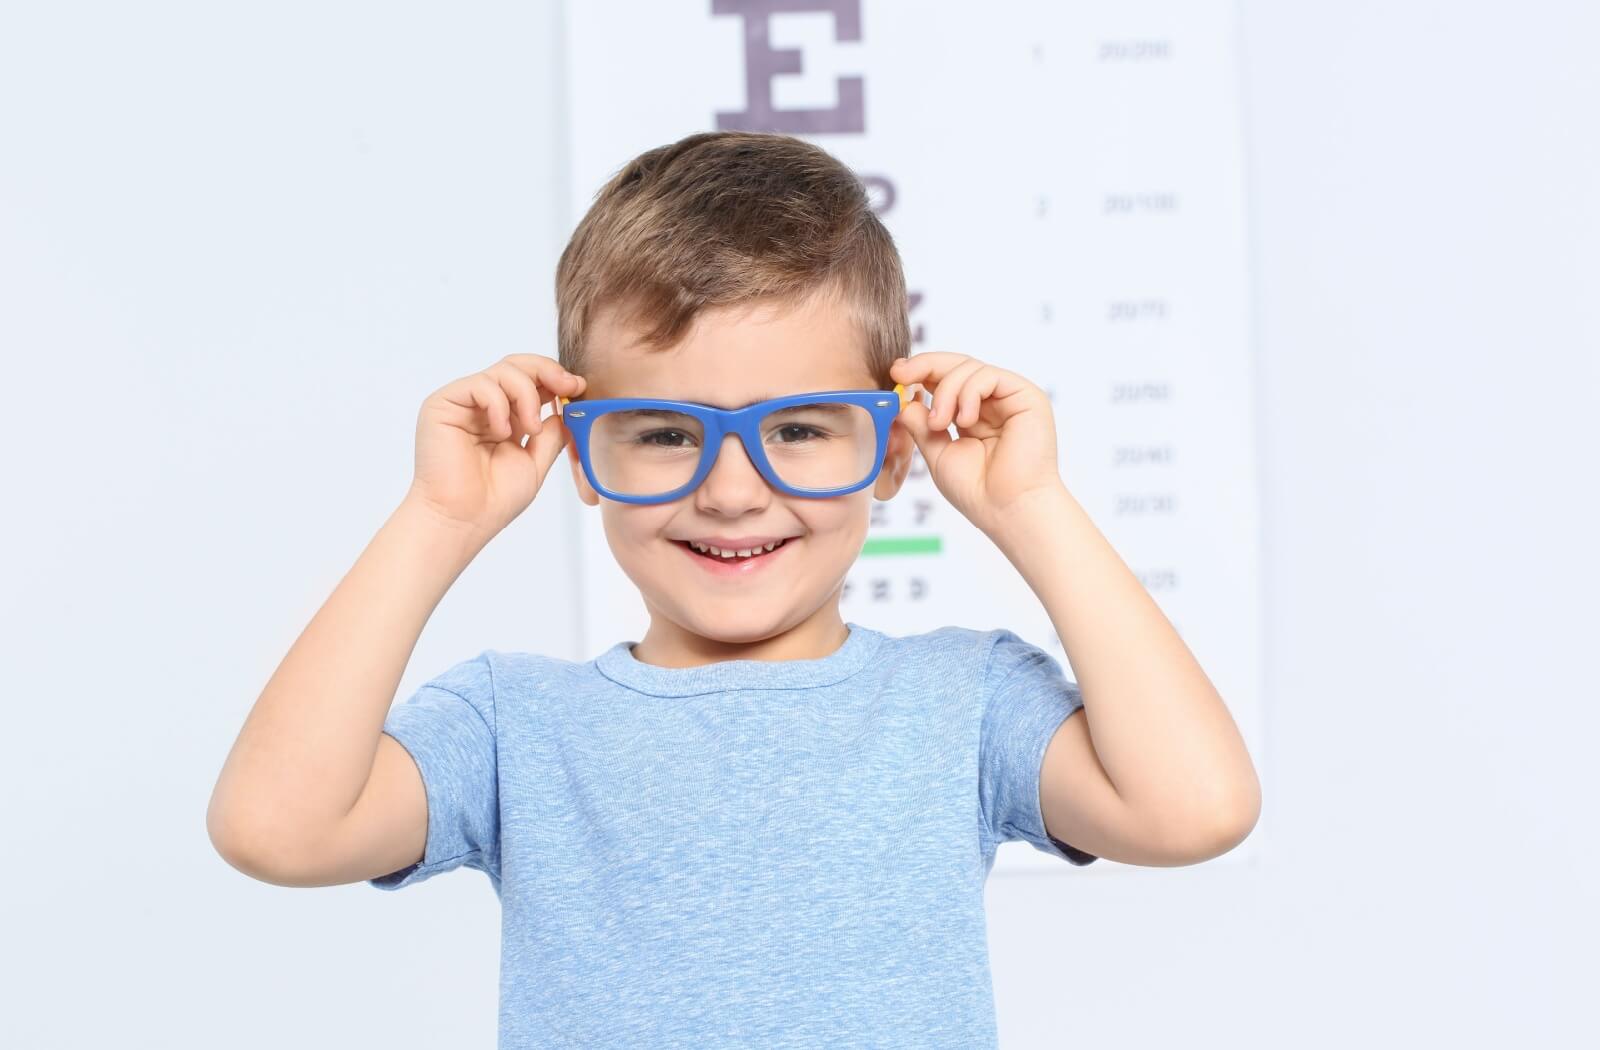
{"type": "Point", "coordinates": [472, 469]}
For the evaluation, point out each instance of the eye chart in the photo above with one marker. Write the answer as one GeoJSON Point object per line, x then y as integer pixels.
{"type": "Point", "coordinates": [1065, 185]}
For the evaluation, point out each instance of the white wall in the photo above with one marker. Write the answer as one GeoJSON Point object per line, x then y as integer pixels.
{"type": "Point", "coordinates": [237, 247]}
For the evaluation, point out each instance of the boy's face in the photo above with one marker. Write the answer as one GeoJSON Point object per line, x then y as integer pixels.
{"type": "Point", "coordinates": [732, 357]}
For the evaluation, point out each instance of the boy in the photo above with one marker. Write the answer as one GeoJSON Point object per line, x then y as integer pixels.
{"type": "Point", "coordinates": [759, 825]}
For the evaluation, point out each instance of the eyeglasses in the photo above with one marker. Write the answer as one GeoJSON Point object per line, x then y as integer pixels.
{"type": "Point", "coordinates": [650, 450]}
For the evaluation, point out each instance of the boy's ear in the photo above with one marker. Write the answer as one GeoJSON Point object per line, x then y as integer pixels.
{"type": "Point", "coordinates": [586, 491]}
{"type": "Point", "coordinates": [896, 461]}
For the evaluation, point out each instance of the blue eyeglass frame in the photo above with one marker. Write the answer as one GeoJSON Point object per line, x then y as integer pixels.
{"type": "Point", "coordinates": [579, 416]}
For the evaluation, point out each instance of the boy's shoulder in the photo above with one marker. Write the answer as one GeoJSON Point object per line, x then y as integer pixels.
{"type": "Point", "coordinates": [953, 653]}
{"type": "Point", "coordinates": [979, 639]}
{"type": "Point", "coordinates": [993, 648]}
{"type": "Point", "coordinates": [479, 678]}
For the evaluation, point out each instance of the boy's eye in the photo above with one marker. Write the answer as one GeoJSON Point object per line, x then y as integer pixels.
{"type": "Point", "coordinates": [796, 432]}
{"type": "Point", "coordinates": [668, 438]}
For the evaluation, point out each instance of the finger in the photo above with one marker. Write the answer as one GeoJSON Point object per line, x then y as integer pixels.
{"type": "Point", "coordinates": [497, 406]}
{"type": "Point", "coordinates": [930, 442]}
{"type": "Point", "coordinates": [486, 409]}
{"type": "Point", "coordinates": [927, 367]}
{"type": "Point", "coordinates": [553, 380]}
{"type": "Point", "coordinates": [999, 387]}
{"type": "Point", "coordinates": [523, 393]}
{"type": "Point", "coordinates": [545, 446]}
{"type": "Point", "coordinates": [918, 393]}
{"type": "Point", "coordinates": [931, 369]}
{"type": "Point", "coordinates": [948, 390]}
{"type": "Point", "coordinates": [970, 402]}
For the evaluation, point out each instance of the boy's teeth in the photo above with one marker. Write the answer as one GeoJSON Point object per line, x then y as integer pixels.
{"type": "Point", "coordinates": [720, 553]}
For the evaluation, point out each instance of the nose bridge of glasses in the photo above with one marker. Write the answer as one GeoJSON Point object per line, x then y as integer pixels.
{"type": "Point", "coordinates": [726, 484]}
{"type": "Point", "coordinates": [745, 471]}
{"type": "Point", "coordinates": [720, 453]}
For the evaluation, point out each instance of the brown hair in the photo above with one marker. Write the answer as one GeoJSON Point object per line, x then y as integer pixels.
{"type": "Point", "coordinates": [726, 217]}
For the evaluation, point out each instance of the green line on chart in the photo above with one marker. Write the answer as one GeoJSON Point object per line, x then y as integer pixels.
{"type": "Point", "coordinates": [901, 545]}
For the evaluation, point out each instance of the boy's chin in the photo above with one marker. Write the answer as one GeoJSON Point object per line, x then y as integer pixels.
{"type": "Point", "coordinates": [738, 619]}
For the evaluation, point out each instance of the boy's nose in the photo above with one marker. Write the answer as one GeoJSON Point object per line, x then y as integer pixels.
{"type": "Point", "coordinates": [734, 484]}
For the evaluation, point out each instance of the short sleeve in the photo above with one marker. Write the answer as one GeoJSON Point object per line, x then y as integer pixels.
{"type": "Point", "coordinates": [1026, 698]}
{"type": "Point", "coordinates": [448, 726]}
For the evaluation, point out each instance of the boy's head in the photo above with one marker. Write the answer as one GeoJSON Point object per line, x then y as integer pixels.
{"type": "Point", "coordinates": [729, 268]}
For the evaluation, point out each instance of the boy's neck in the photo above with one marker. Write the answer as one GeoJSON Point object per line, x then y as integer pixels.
{"type": "Point", "coordinates": [668, 644]}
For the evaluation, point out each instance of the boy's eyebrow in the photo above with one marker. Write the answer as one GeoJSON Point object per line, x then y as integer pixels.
{"type": "Point", "coordinates": [752, 401]}
{"type": "Point", "coordinates": [773, 397]}
{"type": "Point", "coordinates": [755, 400]}
{"type": "Point", "coordinates": [763, 397]}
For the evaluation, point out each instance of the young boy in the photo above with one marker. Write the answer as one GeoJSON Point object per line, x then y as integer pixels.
{"type": "Point", "coordinates": [759, 825]}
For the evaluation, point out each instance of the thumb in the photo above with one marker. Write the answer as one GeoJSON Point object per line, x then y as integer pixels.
{"type": "Point", "coordinates": [931, 442]}
{"type": "Point", "coordinates": [545, 446]}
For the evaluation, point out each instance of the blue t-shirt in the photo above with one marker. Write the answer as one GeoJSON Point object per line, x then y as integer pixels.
{"type": "Point", "coordinates": [745, 853]}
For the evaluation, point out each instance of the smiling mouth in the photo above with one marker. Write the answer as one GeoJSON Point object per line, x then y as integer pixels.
{"type": "Point", "coordinates": [730, 556]}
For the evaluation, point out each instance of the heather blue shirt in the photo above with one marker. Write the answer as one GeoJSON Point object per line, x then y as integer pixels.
{"type": "Point", "coordinates": [746, 853]}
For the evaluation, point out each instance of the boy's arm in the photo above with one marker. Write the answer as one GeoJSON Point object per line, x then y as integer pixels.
{"type": "Point", "coordinates": [313, 793]}
{"type": "Point", "coordinates": [1151, 769]}
{"type": "Point", "coordinates": [1155, 772]}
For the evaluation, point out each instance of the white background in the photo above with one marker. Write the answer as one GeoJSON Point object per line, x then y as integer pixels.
{"type": "Point", "coordinates": [238, 247]}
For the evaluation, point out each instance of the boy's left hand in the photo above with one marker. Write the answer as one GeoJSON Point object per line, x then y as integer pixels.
{"type": "Point", "coordinates": [1006, 444]}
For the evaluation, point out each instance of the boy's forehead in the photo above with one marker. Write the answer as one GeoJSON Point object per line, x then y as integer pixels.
{"type": "Point", "coordinates": [732, 357]}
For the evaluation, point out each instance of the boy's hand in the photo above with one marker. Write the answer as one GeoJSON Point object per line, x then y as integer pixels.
{"type": "Point", "coordinates": [1006, 448]}
{"type": "Point", "coordinates": [472, 469]}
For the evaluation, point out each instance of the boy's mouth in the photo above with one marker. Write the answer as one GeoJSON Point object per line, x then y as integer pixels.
{"type": "Point", "coordinates": [731, 562]}
{"type": "Point", "coordinates": [707, 550]}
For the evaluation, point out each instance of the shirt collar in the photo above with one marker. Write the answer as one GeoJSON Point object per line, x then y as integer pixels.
{"type": "Point", "coordinates": [619, 664]}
